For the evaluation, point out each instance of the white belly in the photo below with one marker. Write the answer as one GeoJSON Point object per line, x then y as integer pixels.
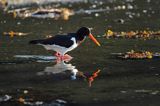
{"type": "Point", "coordinates": [60, 49]}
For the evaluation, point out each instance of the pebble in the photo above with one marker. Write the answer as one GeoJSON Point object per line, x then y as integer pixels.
{"type": "Point", "coordinates": [97, 15]}
{"type": "Point", "coordinates": [25, 91]}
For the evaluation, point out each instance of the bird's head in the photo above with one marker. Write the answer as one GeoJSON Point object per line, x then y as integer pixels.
{"type": "Point", "coordinates": [83, 32]}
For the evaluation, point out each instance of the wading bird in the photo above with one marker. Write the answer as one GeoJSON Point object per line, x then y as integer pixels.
{"type": "Point", "coordinates": [65, 43]}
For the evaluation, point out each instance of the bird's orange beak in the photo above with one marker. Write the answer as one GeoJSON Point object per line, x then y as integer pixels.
{"type": "Point", "coordinates": [94, 39]}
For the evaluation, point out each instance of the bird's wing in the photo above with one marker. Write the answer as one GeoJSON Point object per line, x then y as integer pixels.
{"type": "Point", "coordinates": [61, 40]}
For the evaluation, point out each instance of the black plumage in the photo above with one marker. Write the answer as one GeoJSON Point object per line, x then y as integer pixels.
{"type": "Point", "coordinates": [61, 40]}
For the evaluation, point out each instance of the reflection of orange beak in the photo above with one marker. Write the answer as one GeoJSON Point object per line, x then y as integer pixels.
{"type": "Point", "coordinates": [94, 39]}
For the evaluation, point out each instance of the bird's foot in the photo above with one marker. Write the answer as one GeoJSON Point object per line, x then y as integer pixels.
{"type": "Point", "coordinates": [65, 57]}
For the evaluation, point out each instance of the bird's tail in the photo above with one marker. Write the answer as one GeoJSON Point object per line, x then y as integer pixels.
{"type": "Point", "coordinates": [36, 42]}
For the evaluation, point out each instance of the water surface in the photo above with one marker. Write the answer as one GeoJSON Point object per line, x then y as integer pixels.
{"type": "Point", "coordinates": [120, 82]}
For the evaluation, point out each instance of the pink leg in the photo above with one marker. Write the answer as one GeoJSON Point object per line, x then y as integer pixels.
{"type": "Point", "coordinates": [66, 56]}
{"type": "Point", "coordinates": [57, 54]}
{"type": "Point", "coordinates": [60, 57]}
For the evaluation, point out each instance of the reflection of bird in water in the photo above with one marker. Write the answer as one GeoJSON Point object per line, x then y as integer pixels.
{"type": "Point", "coordinates": [65, 43]}
{"type": "Point", "coordinates": [61, 67]}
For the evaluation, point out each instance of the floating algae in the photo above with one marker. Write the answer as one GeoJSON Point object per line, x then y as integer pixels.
{"type": "Point", "coordinates": [137, 55]}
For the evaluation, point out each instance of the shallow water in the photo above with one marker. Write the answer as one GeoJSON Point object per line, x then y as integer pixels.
{"type": "Point", "coordinates": [120, 82]}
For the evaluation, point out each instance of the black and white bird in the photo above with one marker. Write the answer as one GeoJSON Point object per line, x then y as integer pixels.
{"type": "Point", "coordinates": [65, 43]}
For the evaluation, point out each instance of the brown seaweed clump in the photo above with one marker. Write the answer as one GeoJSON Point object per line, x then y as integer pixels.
{"type": "Point", "coordinates": [133, 34]}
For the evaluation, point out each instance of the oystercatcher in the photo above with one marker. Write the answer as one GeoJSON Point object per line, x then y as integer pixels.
{"type": "Point", "coordinates": [64, 43]}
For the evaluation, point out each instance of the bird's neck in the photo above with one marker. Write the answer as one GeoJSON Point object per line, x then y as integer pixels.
{"type": "Point", "coordinates": [80, 38]}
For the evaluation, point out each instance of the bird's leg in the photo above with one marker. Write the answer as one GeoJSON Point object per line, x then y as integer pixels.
{"type": "Point", "coordinates": [66, 56]}
{"type": "Point", "coordinates": [61, 57]}
{"type": "Point", "coordinates": [57, 54]}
